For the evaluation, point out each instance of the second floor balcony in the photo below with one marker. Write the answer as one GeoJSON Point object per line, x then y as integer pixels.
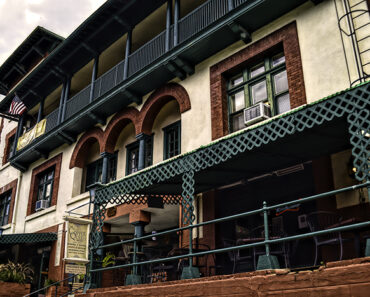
{"type": "Point", "coordinates": [174, 52]}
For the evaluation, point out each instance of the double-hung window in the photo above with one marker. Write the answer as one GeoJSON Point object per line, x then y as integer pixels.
{"type": "Point", "coordinates": [265, 82]}
{"type": "Point", "coordinates": [132, 160]}
{"type": "Point", "coordinates": [94, 171]}
{"type": "Point", "coordinates": [172, 140]}
{"type": "Point", "coordinates": [45, 185]}
{"type": "Point", "coordinates": [5, 207]}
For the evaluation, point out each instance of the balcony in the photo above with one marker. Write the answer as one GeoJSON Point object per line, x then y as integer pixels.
{"type": "Point", "coordinates": [150, 66]}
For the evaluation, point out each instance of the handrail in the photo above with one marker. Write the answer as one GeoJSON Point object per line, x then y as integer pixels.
{"type": "Point", "coordinates": [243, 214]}
{"type": "Point", "coordinates": [53, 284]}
{"type": "Point", "coordinates": [266, 242]}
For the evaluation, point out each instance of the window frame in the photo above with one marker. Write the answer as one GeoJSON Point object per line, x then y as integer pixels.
{"type": "Point", "coordinates": [5, 199]}
{"type": "Point", "coordinates": [176, 126]}
{"type": "Point", "coordinates": [135, 145]}
{"type": "Point", "coordinates": [9, 144]}
{"type": "Point", "coordinates": [43, 182]}
{"type": "Point", "coordinates": [98, 168]}
{"type": "Point", "coordinates": [248, 82]}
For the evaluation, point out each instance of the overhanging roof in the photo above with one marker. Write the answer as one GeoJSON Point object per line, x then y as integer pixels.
{"type": "Point", "coordinates": [111, 21]}
{"type": "Point", "coordinates": [20, 238]}
{"type": "Point", "coordinates": [310, 131]}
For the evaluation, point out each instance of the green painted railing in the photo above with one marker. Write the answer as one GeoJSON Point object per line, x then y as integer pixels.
{"type": "Point", "coordinates": [266, 242]}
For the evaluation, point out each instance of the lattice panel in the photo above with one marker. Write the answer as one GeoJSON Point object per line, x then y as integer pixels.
{"type": "Point", "coordinates": [27, 238]}
{"type": "Point", "coordinates": [353, 103]}
{"type": "Point", "coordinates": [187, 203]}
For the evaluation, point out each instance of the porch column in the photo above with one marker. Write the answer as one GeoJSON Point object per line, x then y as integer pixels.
{"type": "Point", "coordinates": [17, 134]}
{"type": "Point", "coordinates": [176, 23]}
{"type": "Point", "coordinates": [41, 110]}
{"type": "Point", "coordinates": [127, 53]}
{"type": "Point", "coordinates": [168, 24]}
{"type": "Point", "coordinates": [66, 95]}
{"type": "Point", "coordinates": [104, 176]}
{"type": "Point", "coordinates": [230, 4]}
{"type": "Point", "coordinates": [188, 216]}
{"type": "Point", "coordinates": [141, 138]}
{"type": "Point", "coordinates": [61, 103]}
{"type": "Point", "coordinates": [93, 77]}
{"type": "Point", "coordinates": [139, 219]}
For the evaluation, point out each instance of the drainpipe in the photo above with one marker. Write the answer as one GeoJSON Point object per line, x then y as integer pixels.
{"type": "Point", "coordinates": [41, 111]}
{"type": "Point", "coordinates": [17, 134]}
{"type": "Point", "coordinates": [104, 177]}
{"type": "Point", "coordinates": [15, 209]}
{"type": "Point", "coordinates": [127, 54]}
{"type": "Point", "coordinates": [141, 162]}
{"type": "Point", "coordinates": [94, 75]}
{"type": "Point", "coordinates": [66, 95]}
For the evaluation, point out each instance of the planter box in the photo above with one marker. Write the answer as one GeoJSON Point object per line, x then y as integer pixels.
{"type": "Point", "coordinates": [14, 289]}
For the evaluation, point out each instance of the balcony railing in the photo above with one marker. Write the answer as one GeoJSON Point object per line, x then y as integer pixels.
{"type": "Point", "coordinates": [202, 17]}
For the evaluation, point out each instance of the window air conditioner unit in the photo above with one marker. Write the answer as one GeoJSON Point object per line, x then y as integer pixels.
{"type": "Point", "coordinates": [256, 113]}
{"type": "Point", "coordinates": [41, 204]}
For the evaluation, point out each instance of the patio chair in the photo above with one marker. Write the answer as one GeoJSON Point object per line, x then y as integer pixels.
{"type": "Point", "coordinates": [321, 220]}
{"type": "Point", "coordinates": [234, 256]}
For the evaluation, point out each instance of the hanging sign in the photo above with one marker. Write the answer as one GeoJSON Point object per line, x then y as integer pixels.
{"type": "Point", "coordinates": [77, 240]}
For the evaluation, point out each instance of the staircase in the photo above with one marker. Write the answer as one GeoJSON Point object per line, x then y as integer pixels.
{"type": "Point", "coordinates": [354, 24]}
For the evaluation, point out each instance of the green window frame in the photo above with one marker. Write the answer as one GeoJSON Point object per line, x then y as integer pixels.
{"type": "Point", "coordinates": [94, 171]}
{"type": "Point", "coordinates": [45, 185]}
{"type": "Point", "coordinates": [5, 207]}
{"type": "Point", "coordinates": [172, 140]}
{"type": "Point", "coordinates": [265, 81]}
{"type": "Point", "coordinates": [132, 156]}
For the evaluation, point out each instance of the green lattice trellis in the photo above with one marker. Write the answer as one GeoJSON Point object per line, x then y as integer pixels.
{"type": "Point", "coordinates": [352, 103]}
{"type": "Point", "coordinates": [27, 238]}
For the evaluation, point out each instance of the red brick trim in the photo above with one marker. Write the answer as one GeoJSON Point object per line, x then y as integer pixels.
{"type": "Point", "coordinates": [115, 126]}
{"type": "Point", "coordinates": [79, 153]}
{"type": "Point", "coordinates": [157, 100]}
{"type": "Point", "coordinates": [285, 37]}
{"type": "Point", "coordinates": [7, 145]}
{"type": "Point", "coordinates": [12, 186]}
{"type": "Point", "coordinates": [57, 162]}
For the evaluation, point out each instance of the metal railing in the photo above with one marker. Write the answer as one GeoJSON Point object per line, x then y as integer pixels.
{"type": "Point", "coordinates": [197, 20]}
{"type": "Point", "coordinates": [57, 284]}
{"type": "Point", "coordinates": [266, 242]}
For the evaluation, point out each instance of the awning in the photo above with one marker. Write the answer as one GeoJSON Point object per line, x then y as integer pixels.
{"type": "Point", "coordinates": [27, 238]}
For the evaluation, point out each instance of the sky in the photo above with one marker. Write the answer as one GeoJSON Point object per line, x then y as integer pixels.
{"type": "Point", "coordinates": [18, 18]}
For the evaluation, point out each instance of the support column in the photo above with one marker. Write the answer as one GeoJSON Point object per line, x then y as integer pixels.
{"type": "Point", "coordinates": [139, 219]}
{"type": "Point", "coordinates": [17, 134]}
{"type": "Point", "coordinates": [188, 219]}
{"type": "Point", "coordinates": [94, 75]}
{"type": "Point", "coordinates": [168, 24]}
{"type": "Point", "coordinates": [127, 53]}
{"type": "Point", "coordinates": [176, 23]}
{"type": "Point", "coordinates": [104, 177]}
{"type": "Point", "coordinates": [66, 95]}
{"type": "Point", "coordinates": [142, 138]}
{"type": "Point", "coordinates": [41, 111]}
{"type": "Point", "coordinates": [61, 103]}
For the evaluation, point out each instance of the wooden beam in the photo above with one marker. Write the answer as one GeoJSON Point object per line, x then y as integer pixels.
{"type": "Point", "coordinates": [66, 137]}
{"type": "Point", "coordinates": [132, 95]}
{"type": "Point", "coordinates": [41, 153]}
{"type": "Point", "coordinates": [97, 118]}
{"type": "Point", "coordinates": [184, 65]}
{"type": "Point", "coordinates": [19, 166]}
{"type": "Point", "coordinates": [175, 70]}
{"type": "Point", "coordinates": [240, 31]}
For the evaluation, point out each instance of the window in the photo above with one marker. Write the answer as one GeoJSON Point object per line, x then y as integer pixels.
{"type": "Point", "coordinates": [172, 140]}
{"type": "Point", "coordinates": [94, 171]}
{"type": "Point", "coordinates": [132, 162]}
{"type": "Point", "coordinates": [265, 82]}
{"type": "Point", "coordinates": [9, 143]}
{"type": "Point", "coordinates": [45, 185]}
{"type": "Point", "coordinates": [5, 207]}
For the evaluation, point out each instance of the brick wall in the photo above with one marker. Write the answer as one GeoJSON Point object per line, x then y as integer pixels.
{"type": "Point", "coordinates": [14, 289]}
{"type": "Point", "coordinates": [344, 278]}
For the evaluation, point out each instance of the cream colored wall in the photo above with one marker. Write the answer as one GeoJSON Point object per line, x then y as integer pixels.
{"type": "Point", "coordinates": [324, 73]}
{"type": "Point", "coordinates": [7, 172]}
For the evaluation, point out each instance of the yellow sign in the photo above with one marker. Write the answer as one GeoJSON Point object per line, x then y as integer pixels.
{"type": "Point", "coordinates": [77, 240]}
{"type": "Point", "coordinates": [75, 268]}
{"type": "Point", "coordinates": [30, 135]}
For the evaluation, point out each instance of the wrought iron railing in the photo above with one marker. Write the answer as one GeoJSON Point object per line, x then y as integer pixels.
{"type": "Point", "coordinates": [197, 20]}
{"type": "Point", "coordinates": [267, 241]}
{"type": "Point", "coordinates": [78, 102]}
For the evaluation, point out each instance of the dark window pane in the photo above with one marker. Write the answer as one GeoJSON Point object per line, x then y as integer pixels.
{"type": "Point", "coordinates": [259, 92]}
{"type": "Point", "coordinates": [237, 101]}
{"type": "Point", "coordinates": [257, 70]}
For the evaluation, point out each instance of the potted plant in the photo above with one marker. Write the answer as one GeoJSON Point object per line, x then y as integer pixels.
{"type": "Point", "coordinates": [15, 279]}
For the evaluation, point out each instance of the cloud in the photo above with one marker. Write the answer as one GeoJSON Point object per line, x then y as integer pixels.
{"type": "Point", "coordinates": [18, 18]}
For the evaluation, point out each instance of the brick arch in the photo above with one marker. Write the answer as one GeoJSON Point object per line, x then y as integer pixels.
{"type": "Point", "coordinates": [117, 123]}
{"type": "Point", "coordinates": [157, 100]}
{"type": "Point", "coordinates": [83, 145]}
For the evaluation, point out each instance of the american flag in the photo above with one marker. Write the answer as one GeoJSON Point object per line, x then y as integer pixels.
{"type": "Point", "coordinates": [17, 107]}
